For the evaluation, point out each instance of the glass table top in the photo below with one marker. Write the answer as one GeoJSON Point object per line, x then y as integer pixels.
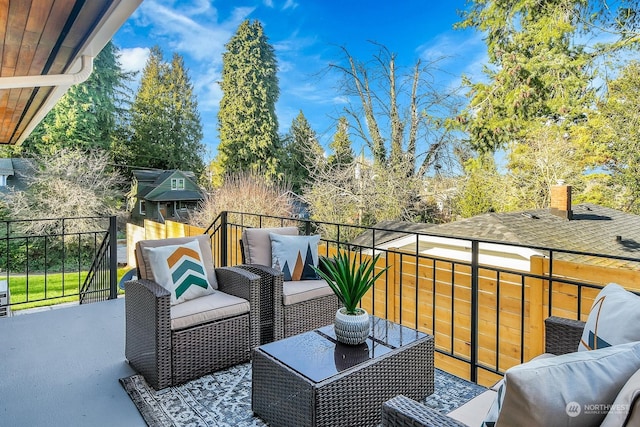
{"type": "Point", "coordinates": [318, 356]}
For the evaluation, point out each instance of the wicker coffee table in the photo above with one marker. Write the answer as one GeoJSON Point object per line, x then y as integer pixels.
{"type": "Point", "coordinates": [312, 380]}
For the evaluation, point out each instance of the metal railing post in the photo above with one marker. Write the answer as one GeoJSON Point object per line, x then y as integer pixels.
{"type": "Point", "coordinates": [475, 252]}
{"type": "Point", "coordinates": [224, 235]}
{"type": "Point", "coordinates": [113, 258]}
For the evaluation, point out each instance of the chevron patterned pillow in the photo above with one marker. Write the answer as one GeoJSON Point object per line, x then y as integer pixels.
{"type": "Point", "coordinates": [179, 269]}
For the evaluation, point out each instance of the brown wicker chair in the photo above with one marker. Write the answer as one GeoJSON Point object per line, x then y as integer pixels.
{"type": "Point", "coordinates": [562, 336]}
{"type": "Point", "coordinates": [167, 353]}
{"type": "Point", "coordinates": [282, 317]}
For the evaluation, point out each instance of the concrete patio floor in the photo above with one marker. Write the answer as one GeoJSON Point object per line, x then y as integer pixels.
{"type": "Point", "coordinates": [61, 368]}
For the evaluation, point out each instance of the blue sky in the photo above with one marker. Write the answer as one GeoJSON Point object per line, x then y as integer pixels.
{"type": "Point", "coordinates": [307, 36]}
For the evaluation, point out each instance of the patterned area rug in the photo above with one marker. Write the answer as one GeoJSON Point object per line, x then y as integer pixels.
{"type": "Point", "coordinates": [224, 399]}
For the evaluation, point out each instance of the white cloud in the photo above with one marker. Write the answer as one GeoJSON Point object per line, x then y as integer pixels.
{"type": "Point", "coordinates": [134, 59]}
{"type": "Point", "coordinates": [290, 4]}
{"type": "Point", "coordinates": [193, 31]}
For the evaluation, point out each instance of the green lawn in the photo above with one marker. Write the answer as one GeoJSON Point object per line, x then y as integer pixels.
{"type": "Point", "coordinates": [48, 286]}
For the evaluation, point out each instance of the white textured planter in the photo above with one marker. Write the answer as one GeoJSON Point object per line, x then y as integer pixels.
{"type": "Point", "coordinates": [352, 329]}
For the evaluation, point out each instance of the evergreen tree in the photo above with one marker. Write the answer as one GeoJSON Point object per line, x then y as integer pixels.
{"type": "Point", "coordinates": [543, 64]}
{"type": "Point", "coordinates": [84, 118]}
{"type": "Point", "coordinates": [247, 121]}
{"type": "Point", "coordinates": [341, 145]}
{"type": "Point", "coordinates": [165, 123]}
{"type": "Point", "coordinates": [301, 152]}
{"type": "Point", "coordinates": [621, 131]}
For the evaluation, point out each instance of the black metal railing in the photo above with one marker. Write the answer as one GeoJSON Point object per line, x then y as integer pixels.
{"type": "Point", "coordinates": [49, 261]}
{"type": "Point", "coordinates": [483, 300]}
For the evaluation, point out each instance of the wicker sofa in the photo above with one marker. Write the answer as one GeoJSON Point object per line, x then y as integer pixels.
{"type": "Point", "coordinates": [289, 308]}
{"type": "Point", "coordinates": [169, 345]}
{"type": "Point", "coordinates": [562, 336]}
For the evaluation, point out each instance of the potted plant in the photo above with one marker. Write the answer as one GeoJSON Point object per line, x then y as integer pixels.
{"type": "Point", "coordinates": [350, 280]}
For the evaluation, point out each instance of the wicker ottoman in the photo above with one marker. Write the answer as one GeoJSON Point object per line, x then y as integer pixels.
{"type": "Point", "coordinates": [311, 380]}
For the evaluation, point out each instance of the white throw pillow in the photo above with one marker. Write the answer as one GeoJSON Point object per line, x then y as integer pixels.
{"type": "Point", "coordinates": [294, 256]}
{"type": "Point", "coordinates": [180, 270]}
{"type": "Point", "coordinates": [570, 389]}
{"type": "Point", "coordinates": [614, 319]}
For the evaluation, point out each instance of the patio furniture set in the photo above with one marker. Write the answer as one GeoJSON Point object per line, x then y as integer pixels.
{"type": "Point", "coordinates": [302, 375]}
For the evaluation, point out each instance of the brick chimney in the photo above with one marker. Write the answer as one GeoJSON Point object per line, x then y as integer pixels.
{"type": "Point", "coordinates": [561, 200]}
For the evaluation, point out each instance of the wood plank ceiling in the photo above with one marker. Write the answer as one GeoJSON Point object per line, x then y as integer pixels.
{"type": "Point", "coordinates": [39, 37]}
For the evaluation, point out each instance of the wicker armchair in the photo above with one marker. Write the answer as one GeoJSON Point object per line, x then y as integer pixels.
{"type": "Point", "coordinates": [562, 336]}
{"type": "Point", "coordinates": [169, 345]}
{"type": "Point", "coordinates": [282, 315]}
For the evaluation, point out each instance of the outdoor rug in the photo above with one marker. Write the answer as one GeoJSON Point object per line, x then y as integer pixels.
{"type": "Point", "coordinates": [224, 399]}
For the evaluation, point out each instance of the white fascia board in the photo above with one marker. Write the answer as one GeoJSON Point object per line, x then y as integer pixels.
{"type": "Point", "coordinates": [119, 12]}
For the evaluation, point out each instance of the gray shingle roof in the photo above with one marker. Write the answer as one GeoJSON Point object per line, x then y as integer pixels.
{"type": "Point", "coordinates": [6, 167]}
{"type": "Point", "coordinates": [593, 229]}
{"type": "Point", "coordinates": [177, 195]}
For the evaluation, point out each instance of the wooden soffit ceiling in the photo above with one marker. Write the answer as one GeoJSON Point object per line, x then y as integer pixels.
{"type": "Point", "coordinates": [48, 38]}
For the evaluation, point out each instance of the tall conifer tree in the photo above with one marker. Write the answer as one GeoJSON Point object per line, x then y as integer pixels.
{"type": "Point", "coordinates": [301, 151]}
{"type": "Point", "coordinates": [341, 145]}
{"type": "Point", "coordinates": [84, 118]}
{"type": "Point", "coordinates": [165, 122]}
{"type": "Point", "coordinates": [247, 122]}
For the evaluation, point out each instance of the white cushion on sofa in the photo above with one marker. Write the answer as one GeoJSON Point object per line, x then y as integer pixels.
{"type": "Point", "coordinates": [539, 392]}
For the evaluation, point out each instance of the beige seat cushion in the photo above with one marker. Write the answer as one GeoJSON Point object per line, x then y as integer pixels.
{"type": "Point", "coordinates": [144, 263]}
{"type": "Point", "coordinates": [304, 290]}
{"type": "Point", "coordinates": [257, 244]}
{"type": "Point", "coordinates": [206, 309]}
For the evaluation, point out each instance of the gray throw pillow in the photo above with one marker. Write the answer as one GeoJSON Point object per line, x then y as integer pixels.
{"type": "Point", "coordinates": [571, 389]}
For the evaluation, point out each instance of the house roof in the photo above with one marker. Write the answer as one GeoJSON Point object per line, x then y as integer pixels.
{"type": "Point", "coordinates": [6, 167]}
{"type": "Point", "coordinates": [387, 231]}
{"type": "Point", "coordinates": [47, 46]}
{"type": "Point", "coordinates": [22, 169]}
{"type": "Point", "coordinates": [149, 181]}
{"type": "Point", "coordinates": [592, 229]}
{"type": "Point", "coordinates": [177, 195]}
{"type": "Point", "coordinates": [157, 177]}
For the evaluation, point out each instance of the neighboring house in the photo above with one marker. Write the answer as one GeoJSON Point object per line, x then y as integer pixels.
{"type": "Point", "coordinates": [14, 174]}
{"type": "Point", "coordinates": [582, 228]}
{"type": "Point", "coordinates": [160, 195]}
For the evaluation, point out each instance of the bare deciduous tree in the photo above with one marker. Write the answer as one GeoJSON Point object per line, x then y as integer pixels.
{"type": "Point", "coordinates": [68, 183]}
{"type": "Point", "coordinates": [247, 192]}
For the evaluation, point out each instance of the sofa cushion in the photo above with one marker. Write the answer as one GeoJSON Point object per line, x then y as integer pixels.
{"type": "Point", "coordinates": [180, 270]}
{"type": "Point", "coordinates": [613, 319]}
{"type": "Point", "coordinates": [256, 244]}
{"type": "Point", "coordinates": [625, 410]}
{"type": "Point", "coordinates": [205, 249]}
{"type": "Point", "coordinates": [216, 306]}
{"type": "Point", "coordinates": [296, 291]}
{"type": "Point", "coordinates": [295, 256]}
{"type": "Point", "coordinates": [562, 390]}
